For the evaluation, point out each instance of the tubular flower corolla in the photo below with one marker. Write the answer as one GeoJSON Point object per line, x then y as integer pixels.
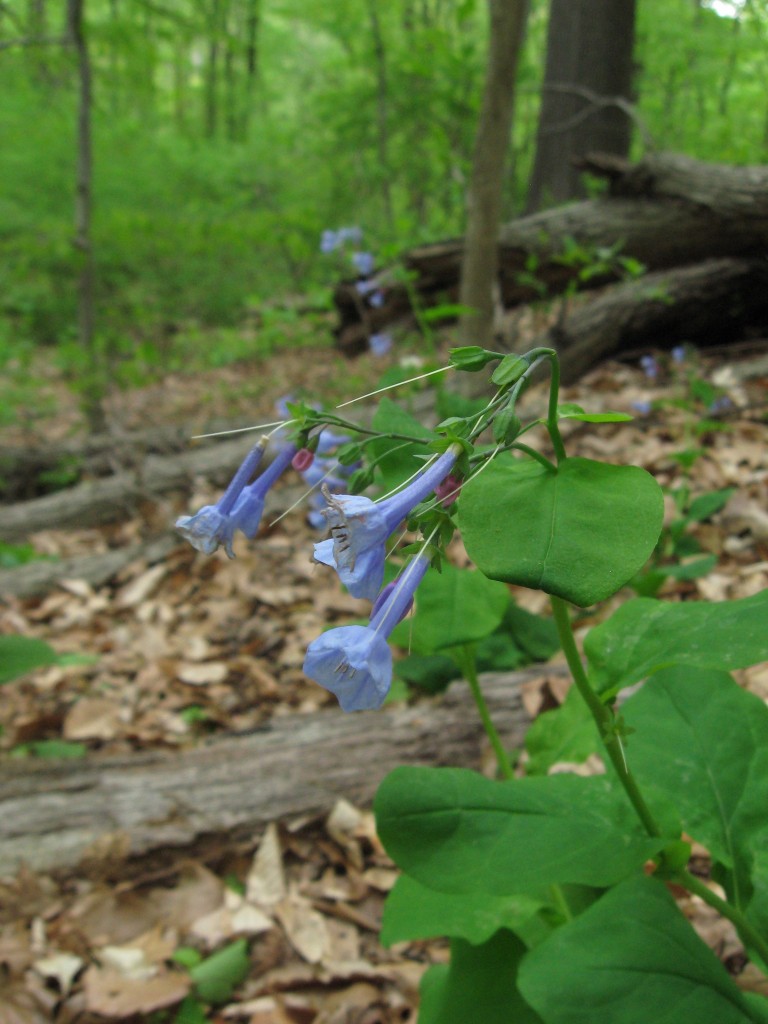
{"type": "Point", "coordinates": [360, 527]}
{"type": "Point", "coordinates": [216, 524]}
{"type": "Point", "coordinates": [355, 662]}
{"type": "Point", "coordinates": [249, 507]}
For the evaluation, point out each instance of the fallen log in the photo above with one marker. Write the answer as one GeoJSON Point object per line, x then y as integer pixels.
{"type": "Point", "coordinates": [28, 471]}
{"type": "Point", "coordinates": [54, 815]}
{"type": "Point", "coordinates": [711, 302]}
{"type": "Point", "coordinates": [663, 212]}
{"type": "Point", "coordinates": [118, 497]}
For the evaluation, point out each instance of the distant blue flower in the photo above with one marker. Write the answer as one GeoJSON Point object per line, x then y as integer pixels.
{"type": "Point", "coordinates": [643, 408]}
{"type": "Point", "coordinates": [360, 527]}
{"type": "Point", "coordinates": [352, 234]}
{"type": "Point", "coordinates": [355, 662]}
{"type": "Point", "coordinates": [721, 404]}
{"type": "Point", "coordinates": [679, 353]}
{"type": "Point", "coordinates": [215, 524]}
{"type": "Point", "coordinates": [377, 299]}
{"type": "Point", "coordinates": [363, 287]}
{"type": "Point", "coordinates": [329, 240]}
{"type": "Point", "coordinates": [249, 507]}
{"type": "Point", "coordinates": [650, 367]}
{"type": "Point", "coordinates": [363, 262]}
{"type": "Point", "coordinates": [380, 344]}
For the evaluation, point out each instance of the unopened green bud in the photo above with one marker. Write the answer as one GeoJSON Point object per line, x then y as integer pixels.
{"type": "Point", "coordinates": [510, 369]}
{"type": "Point", "coordinates": [506, 426]}
{"type": "Point", "coordinates": [471, 357]}
{"type": "Point", "coordinates": [359, 480]}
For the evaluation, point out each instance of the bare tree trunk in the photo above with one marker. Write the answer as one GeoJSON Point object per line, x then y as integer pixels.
{"type": "Point", "coordinates": [93, 386]}
{"type": "Point", "coordinates": [484, 199]}
{"type": "Point", "coordinates": [586, 94]}
{"type": "Point", "coordinates": [382, 112]}
{"type": "Point", "coordinates": [212, 72]}
{"type": "Point", "coordinates": [251, 62]}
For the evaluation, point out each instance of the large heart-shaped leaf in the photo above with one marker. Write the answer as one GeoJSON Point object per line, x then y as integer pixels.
{"type": "Point", "coordinates": [456, 831]}
{"type": "Point", "coordinates": [632, 958]}
{"type": "Point", "coordinates": [479, 984]}
{"type": "Point", "coordinates": [644, 636]}
{"type": "Point", "coordinates": [716, 775]}
{"type": "Point", "coordinates": [580, 532]}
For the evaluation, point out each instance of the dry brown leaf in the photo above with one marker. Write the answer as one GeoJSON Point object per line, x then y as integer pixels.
{"type": "Point", "coordinates": [62, 968]}
{"type": "Point", "coordinates": [265, 884]}
{"type": "Point", "coordinates": [93, 718]}
{"type": "Point", "coordinates": [139, 589]}
{"type": "Point", "coordinates": [306, 929]}
{"type": "Point", "coordinates": [112, 994]}
{"type": "Point", "coordinates": [203, 673]}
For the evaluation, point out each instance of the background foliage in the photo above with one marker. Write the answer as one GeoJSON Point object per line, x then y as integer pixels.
{"type": "Point", "coordinates": [228, 134]}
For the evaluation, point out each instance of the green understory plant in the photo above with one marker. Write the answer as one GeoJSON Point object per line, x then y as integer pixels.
{"type": "Point", "coordinates": [555, 890]}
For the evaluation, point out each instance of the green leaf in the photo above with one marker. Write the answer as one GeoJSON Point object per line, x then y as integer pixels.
{"type": "Point", "coordinates": [396, 458]}
{"type": "Point", "coordinates": [218, 975]}
{"type": "Point", "coordinates": [567, 733]}
{"type": "Point", "coordinates": [571, 411]}
{"type": "Point", "coordinates": [414, 911]}
{"type": "Point", "coordinates": [644, 636]}
{"type": "Point", "coordinates": [455, 606]}
{"type": "Point", "coordinates": [715, 775]}
{"type": "Point", "coordinates": [707, 504]}
{"type": "Point", "coordinates": [54, 750]}
{"type": "Point", "coordinates": [190, 1011]}
{"type": "Point", "coordinates": [21, 654]}
{"type": "Point", "coordinates": [632, 958]}
{"type": "Point", "coordinates": [480, 984]}
{"type": "Point", "coordinates": [581, 532]}
{"type": "Point", "coordinates": [456, 831]}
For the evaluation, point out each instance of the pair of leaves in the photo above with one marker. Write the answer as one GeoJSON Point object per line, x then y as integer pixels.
{"type": "Point", "coordinates": [580, 530]}
{"type": "Point", "coordinates": [628, 959]}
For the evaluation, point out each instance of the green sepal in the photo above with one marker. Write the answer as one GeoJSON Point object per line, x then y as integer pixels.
{"type": "Point", "coordinates": [511, 368]}
{"type": "Point", "coordinates": [471, 357]}
{"type": "Point", "coordinates": [506, 426]}
{"type": "Point", "coordinates": [348, 454]}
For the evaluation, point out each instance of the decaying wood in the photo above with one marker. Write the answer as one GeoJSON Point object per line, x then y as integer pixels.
{"type": "Point", "coordinates": [53, 815]}
{"type": "Point", "coordinates": [666, 211]}
{"type": "Point", "coordinates": [93, 455]}
{"type": "Point", "coordinates": [117, 497]}
{"type": "Point", "coordinates": [700, 304]}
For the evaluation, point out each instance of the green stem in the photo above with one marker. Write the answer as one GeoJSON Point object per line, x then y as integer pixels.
{"type": "Point", "coordinates": [465, 659]}
{"type": "Point", "coordinates": [554, 392]}
{"type": "Point", "coordinates": [517, 446]}
{"type": "Point", "coordinates": [747, 933]}
{"type": "Point", "coordinates": [602, 715]}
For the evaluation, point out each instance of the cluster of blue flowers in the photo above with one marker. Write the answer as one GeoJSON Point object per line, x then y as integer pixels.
{"type": "Point", "coordinates": [379, 342]}
{"type": "Point", "coordinates": [352, 662]}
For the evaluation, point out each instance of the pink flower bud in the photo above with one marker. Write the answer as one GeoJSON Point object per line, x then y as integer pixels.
{"type": "Point", "coordinates": [448, 491]}
{"type": "Point", "coordinates": [302, 460]}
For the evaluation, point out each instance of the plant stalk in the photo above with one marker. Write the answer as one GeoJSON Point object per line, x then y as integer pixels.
{"type": "Point", "coordinates": [465, 659]}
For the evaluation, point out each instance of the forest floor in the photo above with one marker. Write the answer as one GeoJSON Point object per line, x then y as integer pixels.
{"type": "Point", "coordinates": [195, 647]}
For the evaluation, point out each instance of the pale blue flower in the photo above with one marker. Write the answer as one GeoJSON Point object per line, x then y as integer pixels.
{"type": "Point", "coordinates": [249, 507]}
{"type": "Point", "coordinates": [376, 299]}
{"type": "Point", "coordinates": [679, 353]}
{"type": "Point", "coordinates": [215, 524]}
{"type": "Point", "coordinates": [355, 662]}
{"type": "Point", "coordinates": [380, 344]}
{"type": "Point", "coordinates": [329, 240]}
{"type": "Point", "coordinates": [362, 262]}
{"type": "Point", "coordinates": [650, 367]}
{"type": "Point", "coordinates": [643, 408]}
{"type": "Point", "coordinates": [359, 528]}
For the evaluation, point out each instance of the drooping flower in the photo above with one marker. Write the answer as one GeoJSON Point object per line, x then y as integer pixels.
{"type": "Point", "coordinates": [249, 507]}
{"type": "Point", "coordinates": [216, 524]}
{"type": "Point", "coordinates": [355, 662]}
{"type": "Point", "coordinates": [359, 528]}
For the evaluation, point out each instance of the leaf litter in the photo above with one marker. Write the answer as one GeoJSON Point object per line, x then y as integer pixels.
{"type": "Point", "coordinates": [193, 647]}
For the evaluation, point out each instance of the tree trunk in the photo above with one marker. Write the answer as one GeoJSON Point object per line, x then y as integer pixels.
{"type": "Point", "coordinates": [586, 94]}
{"type": "Point", "coordinates": [52, 815]}
{"type": "Point", "coordinates": [382, 113]}
{"type": "Point", "coordinates": [484, 198]}
{"type": "Point", "coordinates": [93, 385]}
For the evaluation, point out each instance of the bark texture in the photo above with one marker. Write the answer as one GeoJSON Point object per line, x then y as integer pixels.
{"type": "Point", "coordinates": [484, 199]}
{"type": "Point", "coordinates": [586, 94]}
{"type": "Point", "coordinates": [667, 212]}
{"type": "Point", "coordinates": [51, 816]}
